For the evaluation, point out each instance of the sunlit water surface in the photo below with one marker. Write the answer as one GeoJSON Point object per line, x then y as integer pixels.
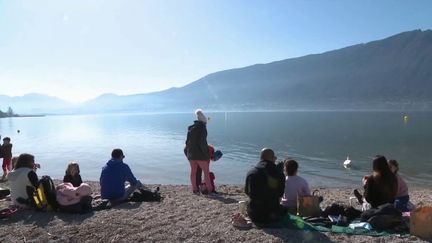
{"type": "Point", "coordinates": [153, 143]}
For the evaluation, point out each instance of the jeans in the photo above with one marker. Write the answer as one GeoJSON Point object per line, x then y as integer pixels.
{"type": "Point", "coordinates": [401, 203]}
{"type": "Point", "coordinates": [129, 189]}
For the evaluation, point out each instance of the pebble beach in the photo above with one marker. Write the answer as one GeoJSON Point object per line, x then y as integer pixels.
{"type": "Point", "coordinates": [180, 217]}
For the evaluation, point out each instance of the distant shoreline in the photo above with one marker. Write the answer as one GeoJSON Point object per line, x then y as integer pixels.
{"type": "Point", "coordinates": [227, 111]}
{"type": "Point", "coordinates": [21, 116]}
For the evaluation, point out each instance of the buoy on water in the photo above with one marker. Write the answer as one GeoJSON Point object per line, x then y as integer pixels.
{"type": "Point", "coordinates": [406, 119]}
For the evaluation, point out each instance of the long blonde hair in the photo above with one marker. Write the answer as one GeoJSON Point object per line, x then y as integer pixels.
{"type": "Point", "coordinates": [72, 165]}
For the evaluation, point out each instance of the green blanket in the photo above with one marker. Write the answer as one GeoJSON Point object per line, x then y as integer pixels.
{"type": "Point", "coordinates": [297, 223]}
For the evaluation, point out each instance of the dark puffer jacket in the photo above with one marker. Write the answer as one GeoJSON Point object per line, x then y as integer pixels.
{"type": "Point", "coordinates": [6, 151]}
{"type": "Point", "coordinates": [196, 142]}
{"type": "Point", "coordinates": [265, 185]}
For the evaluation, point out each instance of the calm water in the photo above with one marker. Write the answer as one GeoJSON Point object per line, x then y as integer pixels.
{"type": "Point", "coordinates": [153, 143]}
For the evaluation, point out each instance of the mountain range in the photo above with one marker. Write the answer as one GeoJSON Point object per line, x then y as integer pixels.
{"type": "Point", "coordinates": [34, 103]}
{"type": "Point", "coordinates": [392, 73]}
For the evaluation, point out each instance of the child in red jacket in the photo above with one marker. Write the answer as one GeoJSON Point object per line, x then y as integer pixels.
{"type": "Point", "coordinates": [6, 154]}
{"type": "Point", "coordinates": [214, 156]}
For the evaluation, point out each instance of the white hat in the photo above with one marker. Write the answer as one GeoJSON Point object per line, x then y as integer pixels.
{"type": "Point", "coordinates": [200, 116]}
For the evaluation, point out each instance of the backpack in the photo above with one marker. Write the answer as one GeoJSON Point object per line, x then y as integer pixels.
{"type": "Point", "coordinates": [344, 210]}
{"type": "Point", "coordinates": [44, 196]}
{"type": "Point", "coordinates": [146, 196]}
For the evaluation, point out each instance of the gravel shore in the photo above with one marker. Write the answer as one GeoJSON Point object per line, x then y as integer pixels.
{"type": "Point", "coordinates": [180, 217]}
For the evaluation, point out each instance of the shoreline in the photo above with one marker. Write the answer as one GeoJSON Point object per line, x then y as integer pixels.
{"type": "Point", "coordinates": [23, 116]}
{"type": "Point", "coordinates": [402, 111]}
{"type": "Point", "coordinates": [414, 187]}
{"type": "Point", "coordinates": [180, 217]}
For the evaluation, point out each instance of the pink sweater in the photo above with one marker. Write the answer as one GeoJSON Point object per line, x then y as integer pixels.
{"type": "Point", "coordinates": [402, 187]}
{"type": "Point", "coordinates": [67, 194]}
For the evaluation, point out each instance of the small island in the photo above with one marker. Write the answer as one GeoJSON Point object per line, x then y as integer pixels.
{"type": "Point", "coordinates": [9, 113]}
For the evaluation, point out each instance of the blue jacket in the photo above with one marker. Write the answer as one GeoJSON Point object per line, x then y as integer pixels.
{"type": "Point", "coordinates": [113, 177]}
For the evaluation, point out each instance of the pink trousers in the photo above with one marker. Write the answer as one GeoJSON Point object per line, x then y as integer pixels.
{"type": "Point", "coordinates": [7, 165]}
{"type": "Point", "coordinates": [204, 165]}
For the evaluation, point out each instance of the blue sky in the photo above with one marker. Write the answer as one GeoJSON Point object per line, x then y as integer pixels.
{"type": "Point", "coordinates": [80, 49]}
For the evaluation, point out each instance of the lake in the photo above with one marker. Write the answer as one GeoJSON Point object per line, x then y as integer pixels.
{"type": "Point", "coordinates": [153, 143]}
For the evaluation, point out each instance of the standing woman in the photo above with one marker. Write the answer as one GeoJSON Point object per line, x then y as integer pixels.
{"type": "Point", "coordinates": [197, 151]}
{"type": "Point", "coordinates": [381, 187]}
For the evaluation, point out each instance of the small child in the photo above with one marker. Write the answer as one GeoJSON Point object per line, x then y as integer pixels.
{"type": "Point", "coordinates": [215, 155]}
{"type": "Point", "coordinates": [73, 174]}
{"type": "Point", "coordinates": [402, 197]}
{"type": "Point", "coordinates": [6, 154]}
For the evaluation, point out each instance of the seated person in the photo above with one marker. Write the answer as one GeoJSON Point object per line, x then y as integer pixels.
{"type": "Point", "coordinates": [113, 177]}
{"type": "Point", "coordinates": [402, 197]}
{"type": "Point", "coordinates": [294, 186]}
{"type": "Point", "coordinates": [72, 174]}
{"type": "Point", "coordinates": [265, 185]}
{"type": "Point", "coordinates": [381, 187]}
{"type": "Point", "coordinates": [22, 177]}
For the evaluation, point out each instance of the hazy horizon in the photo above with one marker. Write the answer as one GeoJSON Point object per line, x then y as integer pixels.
{"type": "Point", "coordinates": [79, 50]}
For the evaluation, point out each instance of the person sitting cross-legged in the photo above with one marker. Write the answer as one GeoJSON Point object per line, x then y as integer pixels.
{"type": "Point", "coordinates": [382, 186]}
{"type": "Point", "coordinates": [295, 186]}
{"type": "Point", "coordinates": [265, 185]}
{"type": "Point", "coordinates": [23, 180]}
{"type": "Point", "coordinates": [113, 178]}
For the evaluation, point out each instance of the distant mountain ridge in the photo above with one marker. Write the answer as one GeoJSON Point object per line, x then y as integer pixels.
{"type": "Point", "coordinates": [34, 103]}
{"type": "Point", "coordinates": [393, 73]}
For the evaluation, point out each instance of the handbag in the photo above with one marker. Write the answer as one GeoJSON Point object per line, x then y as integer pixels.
{"type": "Point", "coordinates": [308, 206]}
{"type": "Point", "coordinates": [421, 221]}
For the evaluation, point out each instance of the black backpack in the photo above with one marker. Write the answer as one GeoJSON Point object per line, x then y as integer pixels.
{"type": "Point", "coordinates": [146, 196]}
{"type": "Point", "coordinates": [339, 209]}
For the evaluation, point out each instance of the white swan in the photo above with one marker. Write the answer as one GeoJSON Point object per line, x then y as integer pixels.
{"type": "Point", "coordinates": [347, 162]}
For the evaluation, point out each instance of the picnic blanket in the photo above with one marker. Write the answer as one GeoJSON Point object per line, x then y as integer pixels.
{"type": "Point", "coordinates": [297, 223]}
